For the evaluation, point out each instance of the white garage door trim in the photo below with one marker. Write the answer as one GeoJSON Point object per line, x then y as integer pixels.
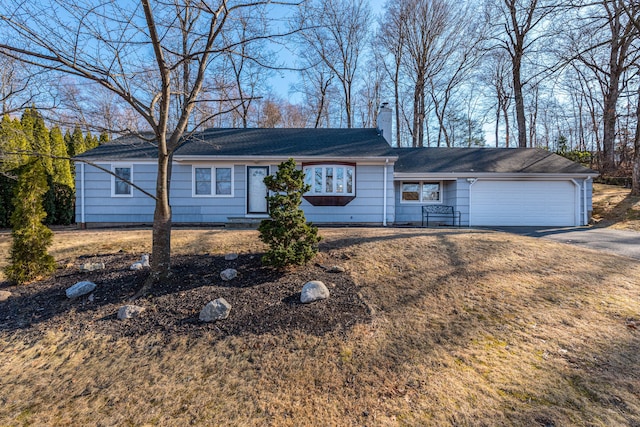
{"type": "Point", "coordinates": [523, 203]}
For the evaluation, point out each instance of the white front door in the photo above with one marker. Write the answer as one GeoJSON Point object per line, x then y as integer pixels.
{"type": "Point", "coordinates": [256, 189]}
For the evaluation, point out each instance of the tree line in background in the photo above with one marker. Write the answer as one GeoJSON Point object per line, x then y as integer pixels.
{"type": "Point", "coordinates": [28, 140]}
{"type": "Point", "coordinates": [509, 73]}
{"type": "Point", "coordinates": [563, 75]}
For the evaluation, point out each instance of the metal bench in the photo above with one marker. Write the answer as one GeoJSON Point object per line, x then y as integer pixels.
{"type": "Point", "coordinates": [442, 211]}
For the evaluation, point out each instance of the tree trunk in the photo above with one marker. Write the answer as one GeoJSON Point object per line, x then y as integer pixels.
{"type": "Point", "coordinates": [519, 99]}
{"type": "Point", "coordinates": [635, 180]}
{"type": "Point", "coordinates": [608, 160]}
{"type": "Point", "coordinates": [161, 261]}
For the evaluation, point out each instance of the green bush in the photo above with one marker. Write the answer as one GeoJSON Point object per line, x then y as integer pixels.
{"type": "Point", "coordinates": [291, 240]}
{"type": "Point", "coordinates": [28, 257]}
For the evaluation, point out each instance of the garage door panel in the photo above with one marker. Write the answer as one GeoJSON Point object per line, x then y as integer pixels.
{"type": "Point", "coordinates": [517, 203]}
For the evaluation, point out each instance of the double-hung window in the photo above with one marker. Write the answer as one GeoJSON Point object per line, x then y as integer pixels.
{"type": "Point", "coordinates": [209, 181]}
{"type": "Point", "coordinates": [421, 192]}
{"type": "Point", "coordinates": [122, 176]}
{"type": "Point", "coordinates": [330, 180]}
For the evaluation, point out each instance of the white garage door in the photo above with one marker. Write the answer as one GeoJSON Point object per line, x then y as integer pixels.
{"type": "Point", "coordinates": [514, 203]}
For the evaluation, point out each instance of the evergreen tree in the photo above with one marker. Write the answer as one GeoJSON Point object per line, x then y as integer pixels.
{"type": "Point", "coordinates": [291, 240]}
{"type": "Point", "coordinates": [37, 136]}
{"type": "Point", "coordinates": [29, 258]}
{"type": "Point", "coordinates": [62, 182]}
{"type": "Point", "coordinates": [90, 142]}
{"type": "Point", "coordinates": [104, 138]}
{"type": "Point", "coordinates": [77, 143]}
{"type": "Point", "coordinates": [12, 140]}
{"type": "Point", "coordinates": [61, 170]}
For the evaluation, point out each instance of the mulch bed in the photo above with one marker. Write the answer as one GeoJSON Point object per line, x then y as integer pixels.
{"type": "Point", "coordinates": [263, 300]}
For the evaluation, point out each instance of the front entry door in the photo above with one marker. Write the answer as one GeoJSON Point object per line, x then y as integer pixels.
{"type": "Point", "coordinates": [256, 189]}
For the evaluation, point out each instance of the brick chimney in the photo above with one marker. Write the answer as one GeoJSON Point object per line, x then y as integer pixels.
{"type": "Point", "coordinates": [385, 122]}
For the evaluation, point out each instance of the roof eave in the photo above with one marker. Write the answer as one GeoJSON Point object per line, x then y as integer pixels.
{"type": "Point", "coordinates": [305, 158]}
{"type": "Point", "coordinates": [493, 175]}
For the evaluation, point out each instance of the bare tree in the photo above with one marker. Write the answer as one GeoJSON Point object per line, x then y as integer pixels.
{"type": "Point", "coordinates": [518, 28]}
{"type": "Point", "coordinates": [427, 47]}
{"type": "Point", "coordinates": [336, 32]}
{"type": "Point", "coordinates": [109, 43]}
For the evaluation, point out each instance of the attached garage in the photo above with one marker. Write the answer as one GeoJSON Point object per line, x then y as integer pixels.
{"type": "Point", "coordinates": [496, 186]}
{"type": "Point", "coordinates": [523, 203]}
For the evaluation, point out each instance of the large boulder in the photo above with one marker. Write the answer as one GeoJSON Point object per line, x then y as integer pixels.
{"type": "Point", "coordinates": [228, 274]}
{"type": "Point", "coordinates": [80, 289]}
{"type": "Point", "coordinates": [313, 291]}
{"type": "Point", "coordinates": [217, 309]}
{"type": "Point", "coordinates": [129, 311]}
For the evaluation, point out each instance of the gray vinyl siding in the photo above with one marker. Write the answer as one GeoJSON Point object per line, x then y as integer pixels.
{"type": "Point", "coordinates": [411, 213]}
{"type": "Point", "coordinates": [101, 207]}
{"type": "Point", "coordinates": [367, 207]}
{"type": "Point", "coordinates": [189, 209]}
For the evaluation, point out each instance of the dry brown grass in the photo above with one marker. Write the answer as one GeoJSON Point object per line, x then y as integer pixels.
{"type": "Point", "coordinates": [470, 328]}
{"type": "Point", "coordinates": [613, 206]}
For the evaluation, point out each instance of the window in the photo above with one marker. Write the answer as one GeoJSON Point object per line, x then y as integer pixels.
{"type": "Point", "coordinates": [421, 192]}
{"type": "Point", "coordinates": [120, 186]}
{"type": "Point", "coordinates": [332, 180]}
{"type": "Point", "coordinates": [212, 181]}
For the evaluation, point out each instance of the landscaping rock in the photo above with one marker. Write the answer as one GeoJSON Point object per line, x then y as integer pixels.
{"type": "Point", "coordinates": [217, 309]}
{"type": "Point", "coordinates": [231, 257]}
{"type": "Point", "coordinates": [129, 311]}
{"type": "Point", "coordinates": [91, 266]}
{"type": "Point", "coordinates": [336, 269]}
{"type": "Point", "coordinates": [80, 289]}
{"type": "Point", "coordinates": [4, 295]}
{"type": "Point", "coordinates": [313, 291]}
{"type": "Point", "coordinates": [142, 264]}
{"type": "Point", "coordinates": [229, 274]}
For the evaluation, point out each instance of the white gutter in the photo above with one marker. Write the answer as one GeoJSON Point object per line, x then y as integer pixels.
{"type": "Point", "coordinates": [82, 221]}
{"type": "Point", "coordinates": [384, 194]}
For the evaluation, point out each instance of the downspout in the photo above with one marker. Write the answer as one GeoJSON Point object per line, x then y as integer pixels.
{"type": "Point", "coordinates": [585, 204]}
{"type": "Point", "coordinates": [577, 196]}
{"type": "Point", "coordinates": [384, 194]}
{"type": "Point", "coordinates": [82, 221]}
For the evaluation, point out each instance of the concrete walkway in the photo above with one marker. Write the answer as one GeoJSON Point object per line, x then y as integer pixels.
{"type": "Point", "coordinates": [620, 242]}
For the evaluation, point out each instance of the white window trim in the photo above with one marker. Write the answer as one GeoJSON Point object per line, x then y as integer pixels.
{"type": "Point", "coordinates": [324, 175]}
{"type": "Point", "coordinates": [421, 202]}
{"type": "Point", "coordinates": [213, 181]}
{"type": "Point", "coordinates": [113, 179]}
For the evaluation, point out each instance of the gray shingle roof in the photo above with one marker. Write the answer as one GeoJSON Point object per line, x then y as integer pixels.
{"type": "Point", "coordinates": [484, 160]}
{"type": "Point", "coordinates": [257, 143]}
{"type": "Point", "coordinates": [342, 143]}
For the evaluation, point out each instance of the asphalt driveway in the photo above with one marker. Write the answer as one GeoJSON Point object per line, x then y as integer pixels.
{"type": "Point", "coordinates": [620, 242]}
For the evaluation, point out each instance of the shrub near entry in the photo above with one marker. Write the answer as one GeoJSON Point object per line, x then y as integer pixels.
{"type": "Point", "coordinates": [291, 240]}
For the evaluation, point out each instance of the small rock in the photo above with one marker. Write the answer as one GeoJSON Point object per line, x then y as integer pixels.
{"type": "Point", "coordinates": [129, 311]}
{"type": "Point", "coordinates": [142, 264]}
{"type": "Point", "coordinates": [4, 295]}
{"type": "Point", "coordinates": [217, 309]}
{"type": "Point", "coordinates": [229, 274]}
{"type": "Point", "coordinates": [313, 291]}
{"type": "Point", "coordinates": [336, 269]}
{"type": "Point", "coordinates": [80, 289]}
{"type": "Point", "coordinates": [231, 257]}
{"type": "Point", "coordinates": [91, 266]}
{"type": "Point", "coordinates": [145, 261]}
